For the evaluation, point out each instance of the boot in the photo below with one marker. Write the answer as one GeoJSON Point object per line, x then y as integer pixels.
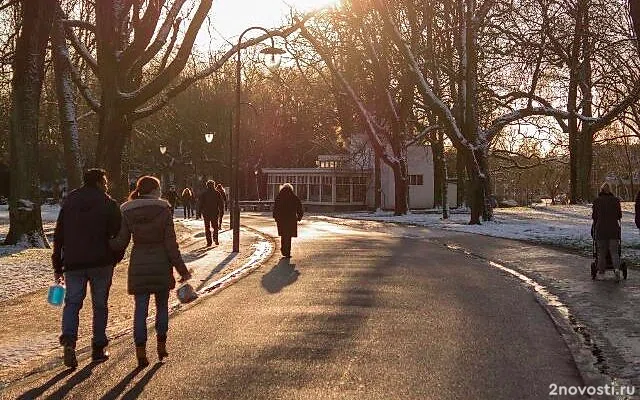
{"type": "Point", "coordinates": [141, 355]}
{"type": "Point", "coordinates": [162, 350]}
{"type": "Point", "coordinates": [70, 360]}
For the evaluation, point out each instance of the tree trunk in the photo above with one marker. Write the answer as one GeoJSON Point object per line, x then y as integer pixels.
{"type": "Point", "coordinates": [445, 190]}
{"type": "Point", "coordinates": [66, 107]}
{"type": "Point", "coordinates": [28, 69]}
{"type": "Point", "coordinates": [114, 134]}
{"type": "Point", "coordinates": [437, 148]}
{"type": "Point", "coordinates": [401, 180]}
{"type": "Point", "coordinates": [461, 174]}
{"type": "Point", "coordinates": [480, 204]}
{"type": "Point", "coordinates": [377, 184]}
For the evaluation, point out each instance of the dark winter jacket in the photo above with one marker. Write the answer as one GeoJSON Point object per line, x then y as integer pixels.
{"type": "Point", "coordinates": [87, 220]}
{"type": "Point", "coordinates": [287, 211]}
{"type": "Point", "coordinates": [172, 196]}
{"type": "Point", "coordinates": [211, 204]}
{"type": "Point", "coordinates": [155, 251]}
{"type": "Point", "coordinates": [638, 210]}
{"type": "Point", "coordinates": [606, 216]}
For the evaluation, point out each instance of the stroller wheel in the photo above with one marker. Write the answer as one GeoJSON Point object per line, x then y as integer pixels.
{"type": "Point", "coordinates": [594, 270]}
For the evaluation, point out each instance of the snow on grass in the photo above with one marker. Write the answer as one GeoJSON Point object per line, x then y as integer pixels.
{"type": "Point", "coordinates": [567, 226]}
{"type": "Point", "coordinates": [25, 269]}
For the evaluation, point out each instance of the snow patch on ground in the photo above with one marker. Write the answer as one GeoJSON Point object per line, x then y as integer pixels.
{"type": "Point", "coordinates": [567, 226]}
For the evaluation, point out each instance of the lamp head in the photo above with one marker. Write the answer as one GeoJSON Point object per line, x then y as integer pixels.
{"type": "Point", "coordinates": [272, 57]}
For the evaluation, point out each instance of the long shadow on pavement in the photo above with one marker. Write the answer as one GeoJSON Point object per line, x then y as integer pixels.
{"type": "Point", "coordinates": [283, 274]}
{"type": "Point", "coordinates": [135, 391]}
{"type": "Point", "coordinates": [35, 392]}
{"type": "Point", "coordinates": [74, 380]}
{"type": "Point", "coordinates": [119, 388]}
{"type": "Point", "coordinates": [217, 269]}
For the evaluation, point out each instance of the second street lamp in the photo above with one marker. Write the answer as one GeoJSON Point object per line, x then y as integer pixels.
{"type": "Point", "coordinates": [272, 61]}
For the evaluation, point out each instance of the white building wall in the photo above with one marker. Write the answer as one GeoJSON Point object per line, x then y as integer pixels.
{"type": "Point", "coordinates": [420, 162]}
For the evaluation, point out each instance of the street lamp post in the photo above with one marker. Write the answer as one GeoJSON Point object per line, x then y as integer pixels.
{"type": "Point", "coordinates": [274, 54]}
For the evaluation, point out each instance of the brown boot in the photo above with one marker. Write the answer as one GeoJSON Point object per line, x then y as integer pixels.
{"type": "Point", "coordinates": [141, 355]}
{"type": "Point", "coordinates": [162, 350]}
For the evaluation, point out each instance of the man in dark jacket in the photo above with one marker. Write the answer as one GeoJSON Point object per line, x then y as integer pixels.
{"type": "Point", "coordinates": [211, 205]}
{"type": "Point", "coordinates": [606, 215]}
{"type": "Point", "coordinates": [87, 220]}
{"type": "Point", "coordinates": [287, 211]}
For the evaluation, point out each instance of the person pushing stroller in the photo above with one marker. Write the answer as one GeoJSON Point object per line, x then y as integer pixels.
{"type": "Point", "coordinates": [606, 215]}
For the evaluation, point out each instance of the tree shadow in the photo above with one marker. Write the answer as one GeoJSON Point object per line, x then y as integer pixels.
{"type": "Point", "coordinates": [283, 274]}
{"type": "Point", "coordinates": [73, 381]}
{"type": "Point", "coordinates": [35, 392]}
{"type": "Point", "coordinates": [135, 391]}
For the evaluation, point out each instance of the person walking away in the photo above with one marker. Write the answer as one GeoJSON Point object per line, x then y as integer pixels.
{"type": "Point", "coordinates": [606, 217]}
{"type": "Point", "coordinates": [223, 196]}
{"type": "Point", "coordinates": [172, 197]}
{"type": "Point", "coordinates": [89, 217]}
{"type": "Point", "coordinates": [148, 220]}
{"type": "Point", "coordinates": [200, 189]}
{"type": "Point", "coordinates": [287, 211]}
{"type": "Point", "coordinates": [211, 205]}
{"type": "Point", "coordinates": [187, 202]}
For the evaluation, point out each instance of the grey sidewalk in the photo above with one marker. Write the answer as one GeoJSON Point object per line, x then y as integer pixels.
{"type": "Point", "coordinates": [609, 311]}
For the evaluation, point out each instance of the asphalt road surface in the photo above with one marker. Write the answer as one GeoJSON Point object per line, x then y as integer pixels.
{"type": "Point", "coordinates": [355, 314]}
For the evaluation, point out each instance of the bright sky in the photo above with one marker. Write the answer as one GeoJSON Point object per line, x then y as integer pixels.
{"type": "Point", "coordinates": [231, 17]}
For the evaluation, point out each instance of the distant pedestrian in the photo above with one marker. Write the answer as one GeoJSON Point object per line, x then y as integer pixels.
{"type": "Point", "coordinates": [172, 198]}
{"type": "Point", "coordinates": [81, 254]}
{"type": "Point", "coordinates": [148, 220]}
{"type": "Point", "coordinates": [287, 211]}
{"type": "Point", "coordinates": [199, 190]}
{"type": "Point", "coordinates": [187, 202]}
{"type": "Point", "coordinates": [223, 196]}
{"type": "Point", "coordinates": [606, 217]}
{"type": "Point", "coordinates": [211, 205]}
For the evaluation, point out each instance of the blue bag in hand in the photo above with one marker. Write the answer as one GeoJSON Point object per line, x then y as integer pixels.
{"type": "Point", "coordinates": [55, 297]}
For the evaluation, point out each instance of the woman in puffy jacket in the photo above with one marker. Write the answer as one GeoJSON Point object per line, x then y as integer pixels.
{"type": "Point", "coordinates": [149, 221]}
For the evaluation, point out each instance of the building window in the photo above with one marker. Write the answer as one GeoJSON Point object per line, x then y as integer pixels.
{"type": "Point", "coordinates": [343, 189]}
{"type": "Point", "coordinates": [327, 190]}
{"type": "Point", "coordinates": [314, 188]}
{"type": "Point", "coordinates": [415, 180]}
{"type": "Point", "coordinates": [359, 189]}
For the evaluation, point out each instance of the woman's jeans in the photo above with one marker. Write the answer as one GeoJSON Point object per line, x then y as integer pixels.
{"type": "Point", "coordinates": [140, 317]}
{"type": "Point", "coordinates": [99, 280]}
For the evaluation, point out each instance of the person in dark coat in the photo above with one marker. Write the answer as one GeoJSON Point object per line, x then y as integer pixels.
{"type": "Point", "coordinates": [172, 198]}
{"type": "Point", "coordinates": [211, 205]}
{"type": "Point", "coordinates": [223, 196]}
{"type": "Point", "coordinates": [187, 202]}
{"type": "Point", "coordinates": [287, 211]}
{"type": "Point", "coordinates": [199, 189]}
{"type": "Point", "coordinates": [606, 217]}
{"type": "Point", "coordinates": [89, 217]}
{"type": "Point", "coordinates": [148, 220]}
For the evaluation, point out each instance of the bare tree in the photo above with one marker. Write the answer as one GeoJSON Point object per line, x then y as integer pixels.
{"type": "Point", "coordinates": [28, 75]}
{"type": "Point", "coordinates": [138, 61]}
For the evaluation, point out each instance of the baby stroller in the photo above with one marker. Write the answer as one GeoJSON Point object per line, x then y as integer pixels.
{"type": "Point", "coordinates": [594, 263]}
